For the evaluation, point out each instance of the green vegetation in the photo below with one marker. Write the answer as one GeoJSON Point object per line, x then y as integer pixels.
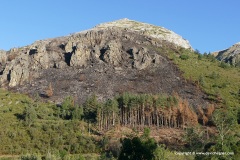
{"type": "Point", "coordinates": [138, 148]}
{"type": "Point", "coordinates": [184, 57]}
{"type": "Point", "coordinates": [39, 130]}
{"type": "Point", "coordinates": [146, 148]}
{"type": "Point", "coordinates": [30, 129]}
{"type": "Point", "coordinates": [217, 79]}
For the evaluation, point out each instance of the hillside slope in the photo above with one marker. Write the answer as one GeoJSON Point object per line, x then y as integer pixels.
{"type": "Point", "coordinates": [112, 82]}
{"type": "Point", "coordinates": [110, 59]}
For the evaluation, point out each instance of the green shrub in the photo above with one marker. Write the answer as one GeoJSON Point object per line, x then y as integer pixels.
{"type": "Point", "coordinates": [214, 75]}
{"type": "Point", "coordinates": [197, 52]}
{"type": "Point", "coordinates": [201, 80]}
{"type": "Point", "coordinates": [200, 56]}
{"type": "Point", "coordinates": [224, 65]}
{"type": "Point", "coordinates": [211, 57]}
{"type": "Point", "coordinates": [184, 57]}
{"type": "Point", "coordinates": [30, 157]}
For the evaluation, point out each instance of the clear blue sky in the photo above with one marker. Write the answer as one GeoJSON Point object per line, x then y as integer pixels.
{"type": "Point", "coordinates": [209, 25]}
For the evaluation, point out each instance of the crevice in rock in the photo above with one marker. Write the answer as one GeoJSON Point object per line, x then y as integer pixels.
{"type": "Point", "coordinates": [54, 65]}
{"type": "Point", "coordinates": [130, 52]}
{"type": "Point", "coordinates": [32, 51]}
{"type": "Point", "coordinates": [62, 46]}
{"type": "Point", "coordinates": [2, 68]}
{"type": "Point", "coordinates": [102, 52]}
{"type": "Point", "coordinates": [68, 57]}
{"type": "Point", "coordinates": [9, 76]}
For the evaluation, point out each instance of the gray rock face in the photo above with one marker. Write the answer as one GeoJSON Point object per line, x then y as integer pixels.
{"type": "Point", "coordinates": [106, 60]}
{"type": "Point", "coordinates": [23, 64]}
{"type": "Point", "coordinates": [230, 55]}
{"type": "Point", "coordinates": [3, 57]}
{"type": "Point", "coordinates": [3, 60]}
{"type": "Point", "coordinates": [117, 44]}
{"type": "Point", "coordinates": [148, 30]}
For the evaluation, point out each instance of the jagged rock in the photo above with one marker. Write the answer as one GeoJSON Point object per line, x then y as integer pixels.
{"type": "Point", "coordinates": [124, 56]}
{"type": "Point", "coordinates": [142, 59]}
{"type": "Point", "coordinates": [112, 53]}
{"type": "Point", "coordinates": [17, 71]}
{"type": "Point", "coordinates": [230, 55]}
{"type": "Point", "coordinates": [80, 56]}
{"type": "Point", "coordinates": [3, 57]}
{"type": "Point", "coordinates": [61, 65]}
{"type": "Point", "coordinates": [148, 30]}
{"type": "Point", "coordinates": [120, 44]}
{"type": "Point", "coordinates": [23, 64]}
{"type": "Point", "coordinates": [3, 60]}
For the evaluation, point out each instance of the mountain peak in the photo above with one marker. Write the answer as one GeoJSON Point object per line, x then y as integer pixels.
{"type": "Point", "coordinates": [109, 43]}
{"type": "Point", "coordinates": [148, 30]}
{"type": "Point", "coordinates": [238, 43]}
{"type": "Point", "coordinates": [124, 19]}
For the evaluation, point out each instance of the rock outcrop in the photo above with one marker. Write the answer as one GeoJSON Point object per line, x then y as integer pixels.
{"type": "Point", "coordinates": [230, 55]}
{"type": "Point", "coordinates": [122, 42]}
{"type": "Point", "coordinates": [23, 64]}
{"type": "Point", "coordinates": [148, 30]}
{"type": "Point", "coordinates": [3, 60]}
{"type": "Point", "coordinates": [112, 58]}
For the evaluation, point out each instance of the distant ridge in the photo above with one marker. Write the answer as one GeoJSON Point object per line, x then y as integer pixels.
{"type": "Point", "coordinates": [230, 55]}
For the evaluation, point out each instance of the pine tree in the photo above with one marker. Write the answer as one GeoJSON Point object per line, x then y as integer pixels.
{"type": "Point", "coordinates": [29, 114]}
{"type": "Point", "coordinates": [90, 109]}
{"type": "Point", "coordinates": [225, 121]}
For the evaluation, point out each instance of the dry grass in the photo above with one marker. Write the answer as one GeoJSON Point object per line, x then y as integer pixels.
{"type": "Point", "coordinates": [49, 90]}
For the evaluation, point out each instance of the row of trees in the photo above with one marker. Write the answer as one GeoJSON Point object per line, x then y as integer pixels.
{"type": "Point", "coordinates": [139, 111]}
{"type": "Point", "coordinates": [132, 110]}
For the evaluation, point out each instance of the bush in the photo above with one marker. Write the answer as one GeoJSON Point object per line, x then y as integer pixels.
{"type": "Point", "coordinates": [30, 157]}
{"type": "Point", "coordinates": [50, 156]}
{"type": "Point", "coordinates": [184, 57]}
{"type": "Point", "coordinates": [214, 75]}
{"type": "Point", "coordinates": [138, 148]}
{"type": "Point", "coordinates": [211, 57]}
{"type": "Point", "coordinates": [200, 56]}
{"type": "Point", "coordinates": [29, 114]}
{"type": "Point", "coordinates": [224, 65]}
{"type": "Point", "coordinates": [197, 52]}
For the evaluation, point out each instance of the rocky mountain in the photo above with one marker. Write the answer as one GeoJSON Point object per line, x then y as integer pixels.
{"type": "Point", "coordinates": [230, 55]}
{"type": "Point", "coordinates": [148, 30]}
{"type": "Point", "coordinates": [112, 58]}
